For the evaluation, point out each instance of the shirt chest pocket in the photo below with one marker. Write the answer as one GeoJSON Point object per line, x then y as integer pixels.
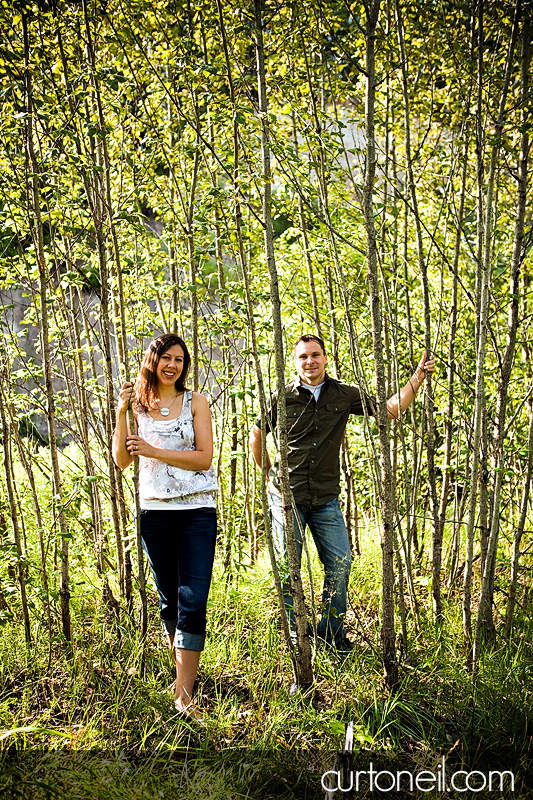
{"type": "Point", "coordinates": [337, 407]}
{"type": "Point", "coordinates": [335, 411]}
{"type": "Point", "coordinates": [299, 416]}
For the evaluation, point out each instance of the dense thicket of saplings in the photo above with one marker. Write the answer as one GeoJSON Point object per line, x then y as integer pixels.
{"type": "Point", "coordinates": [241, 176]}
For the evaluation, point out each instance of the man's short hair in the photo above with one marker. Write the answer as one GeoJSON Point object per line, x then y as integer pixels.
{"type": "Point", "coordinates": [310, 337]}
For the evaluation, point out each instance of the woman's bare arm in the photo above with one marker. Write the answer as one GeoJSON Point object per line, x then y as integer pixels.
{"type": "Point", "coordinates": [121, 456]}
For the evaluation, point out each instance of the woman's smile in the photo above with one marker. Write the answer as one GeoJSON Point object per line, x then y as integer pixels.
{"type": "Point", "coordinates": [170, 365]}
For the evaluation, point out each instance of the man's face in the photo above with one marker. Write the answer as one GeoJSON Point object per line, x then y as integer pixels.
{"type": "Point", "coordinates": [310, 362]}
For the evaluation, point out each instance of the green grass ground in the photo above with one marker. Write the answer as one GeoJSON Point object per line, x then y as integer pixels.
{"type": "Point", "coordinates": [91, 722]}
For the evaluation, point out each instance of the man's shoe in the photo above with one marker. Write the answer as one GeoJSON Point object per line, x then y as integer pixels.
{"type": "Point", "coordinates": [344, 645]}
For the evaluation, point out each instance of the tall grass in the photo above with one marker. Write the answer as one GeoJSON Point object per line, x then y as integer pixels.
{"type": "Point", "coordinates": [87, 721]}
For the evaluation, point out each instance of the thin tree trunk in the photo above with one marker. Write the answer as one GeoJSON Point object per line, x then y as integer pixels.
{"type": "Point", "coordinates": [305, 669]}
{"type": "Point", "coordinates": [430, 445]}
{"type": "Point", "coordinates": [193, 269]}
{"type": "Point", "coordinates": [519, 532]}
{"type": "Point", "coordinates": [484, 622]}
{"type": "Point", "coordinates": [305, 244]}
{"type": "Point", "coordinates": [25, 459]}
{"type": "Point", "coordinates": [38, 241]}
{"type": "Point", "coordinates": [481, 307]}
{"type": "Point", "coordinates": [255, 352]}
{"type": "Point", "coordinates": [101, 216]}
{"type": "Point", "coordinates": [448, 424]}
{"type": "Point", "coordinates": [9, 475]}
{"type": "Point", "coordinates": [387, 488]}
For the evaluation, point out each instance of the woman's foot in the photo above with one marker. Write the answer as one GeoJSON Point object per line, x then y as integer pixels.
{"type": "Point", "coordinates": [186, 669]}
{"type": "Point", "coordinates": [189, 711]}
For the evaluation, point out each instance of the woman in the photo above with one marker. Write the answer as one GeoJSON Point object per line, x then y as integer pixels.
{"type": "Point", "coordinates": [177, 485]}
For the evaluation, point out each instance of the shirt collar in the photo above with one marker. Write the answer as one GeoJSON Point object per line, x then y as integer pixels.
{"type": "Point", "coordinates": [298, 382]}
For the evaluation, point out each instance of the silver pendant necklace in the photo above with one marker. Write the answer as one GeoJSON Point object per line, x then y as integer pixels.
{"type": "Point", "coordinates": [166, 411]}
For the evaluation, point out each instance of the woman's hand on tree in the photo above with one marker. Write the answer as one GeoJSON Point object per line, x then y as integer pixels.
{"type": "Point", "coordinates": [125, 397]}
{"type": "Point", "coordinates": [139, 447]}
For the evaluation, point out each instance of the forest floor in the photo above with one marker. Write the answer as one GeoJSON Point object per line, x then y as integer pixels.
{"type": "Point", "coordinates": [96, 720]}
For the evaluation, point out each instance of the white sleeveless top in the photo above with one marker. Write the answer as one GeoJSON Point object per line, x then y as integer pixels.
{"type": "Point", "coordinates": [162, 485]}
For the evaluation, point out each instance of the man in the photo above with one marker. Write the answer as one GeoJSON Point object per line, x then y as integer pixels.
{"type": "Point", "coordinates": [318, 408]}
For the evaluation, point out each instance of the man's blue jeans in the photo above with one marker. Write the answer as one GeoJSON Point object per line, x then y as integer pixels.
{"type": "Point", "coordinates": [328, 529]}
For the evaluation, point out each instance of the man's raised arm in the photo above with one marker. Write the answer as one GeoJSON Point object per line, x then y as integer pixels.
{"type": "Point", "coordinates": [255, 445]}
{"type": "Point", "coordinates": [407, 393]}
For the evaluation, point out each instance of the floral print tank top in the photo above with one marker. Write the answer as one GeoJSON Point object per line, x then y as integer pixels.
{"type": "Point", "coordinates": [162, 483]}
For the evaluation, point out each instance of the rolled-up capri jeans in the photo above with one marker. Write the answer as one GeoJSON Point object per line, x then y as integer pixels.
{"type": "Point", "coordinates": [180, 545]}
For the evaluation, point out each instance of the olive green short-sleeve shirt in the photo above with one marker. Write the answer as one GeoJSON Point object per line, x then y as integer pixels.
{"type": "Point", "coordinates": [315, 431]}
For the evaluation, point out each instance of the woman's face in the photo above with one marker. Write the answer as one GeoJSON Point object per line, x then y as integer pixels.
{"type": "Point", "coordinates": [170, 365]}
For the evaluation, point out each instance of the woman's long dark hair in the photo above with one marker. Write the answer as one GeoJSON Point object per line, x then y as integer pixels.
{"type": "Point", "coordinates": [146, 384]}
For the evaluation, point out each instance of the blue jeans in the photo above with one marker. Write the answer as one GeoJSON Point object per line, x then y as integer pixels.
{"type": "Point", "coordinates": [180, 545]}
{"type": "Point", "coordinates": [328, 529]}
